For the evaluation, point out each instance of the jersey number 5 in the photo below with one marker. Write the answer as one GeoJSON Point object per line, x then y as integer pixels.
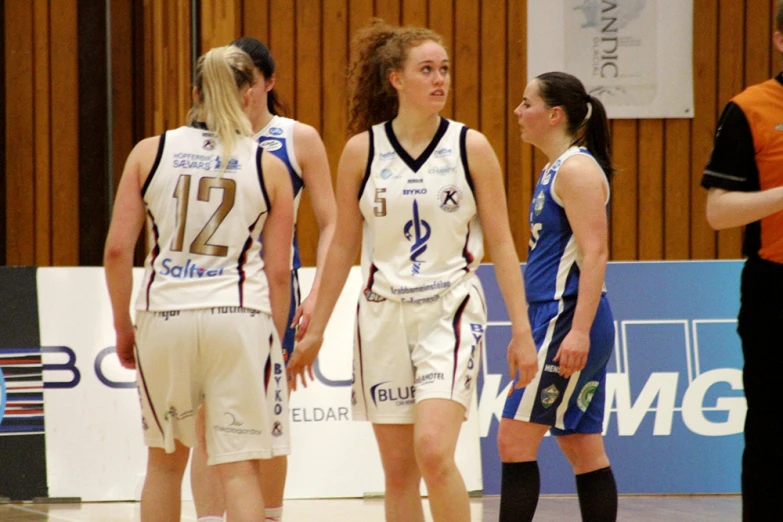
{"type": "Point", "coordinates": [535, 233]}
{"type": "Point", "coordinates": [201, 244]}
{"type": "Point", "coordinates": [380, 210]}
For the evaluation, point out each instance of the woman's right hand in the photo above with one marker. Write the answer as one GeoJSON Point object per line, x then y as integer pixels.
{"type": "Point", "coordinates": [522, 359]}
{"type": "Point", "coordinates": [303, 358]}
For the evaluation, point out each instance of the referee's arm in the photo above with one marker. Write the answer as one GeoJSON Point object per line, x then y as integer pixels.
{"type": "Point", "coordinates": [731, 176]}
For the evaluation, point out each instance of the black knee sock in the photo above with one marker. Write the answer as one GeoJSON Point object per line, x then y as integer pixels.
{"type": "Point", "coordinates": [597, 495]}
{"type": "Point", "coordinates": [519, 488]}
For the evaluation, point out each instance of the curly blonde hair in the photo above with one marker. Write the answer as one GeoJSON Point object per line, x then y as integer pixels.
{"type": "Point", "coordinates": [380, 49]}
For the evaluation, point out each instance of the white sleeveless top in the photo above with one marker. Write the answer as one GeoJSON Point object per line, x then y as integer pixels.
{"type": "Point", "coordinates": [204, 229]}
{"type": "Point", "coordinates": [421, 228]}
{"type": "Point", "coordinates": [278, 138]}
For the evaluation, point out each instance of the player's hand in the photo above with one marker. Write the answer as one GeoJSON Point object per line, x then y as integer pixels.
{"type": "Point", "coordinates": [125, 342]}
{"type": "Point", "coordinates": [522, 359]}
{"type": "Point", "coordinates": [302, 316]}
{"type": "Point", "coordinates": [303, 358]}
{"type": "Point", "coordinates": [573, 351]}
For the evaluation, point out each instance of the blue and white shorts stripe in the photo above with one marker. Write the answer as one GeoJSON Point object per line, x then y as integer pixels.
{"type": "Point", "coordinates": [569, 405]}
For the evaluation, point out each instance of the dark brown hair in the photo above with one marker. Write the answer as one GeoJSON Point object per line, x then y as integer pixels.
{"type": "Point", "coordinates": [585, 115]}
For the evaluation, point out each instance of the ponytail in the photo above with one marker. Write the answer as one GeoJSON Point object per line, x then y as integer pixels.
{"type": "Point", "coordinates": [222, 75]}
{"type": "Point", "coordinates": [586, 120]}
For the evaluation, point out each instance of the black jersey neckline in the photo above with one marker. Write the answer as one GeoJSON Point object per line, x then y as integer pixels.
{"type": "Point", "coordinates": [416, 164]}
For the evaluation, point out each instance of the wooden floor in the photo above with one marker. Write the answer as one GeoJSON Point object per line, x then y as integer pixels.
{"type": "Point", "coordinates": [550, 509]}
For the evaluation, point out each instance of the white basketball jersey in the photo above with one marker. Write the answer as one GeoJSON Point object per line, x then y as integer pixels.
{"type": "Point", "coordinates": [278, 138]}
{"type": "Point", "coordinates": [421, 228]}
{"type": "Point", "coordinates": [204, 229]}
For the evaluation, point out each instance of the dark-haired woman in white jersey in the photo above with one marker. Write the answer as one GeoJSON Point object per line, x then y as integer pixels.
{"type": "Point", "coordinates": [212, 307]}
{"type": "Point", "coordinates": [418, 193]}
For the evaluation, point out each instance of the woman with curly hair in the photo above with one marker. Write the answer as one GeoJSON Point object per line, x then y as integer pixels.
{"type": "Point", "coordinates": [418, 192]}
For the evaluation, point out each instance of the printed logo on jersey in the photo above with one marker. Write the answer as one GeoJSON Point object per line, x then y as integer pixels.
{"type": "Point", "coordinates": [387, 155]}
{"type": "Point", "coordinates": [549, 395]}
{"type": "Point", "coordinates": [184, 160]}
{"type": "Point", "coordinates": [271, 145]}
{"type": "Point", "coordinates": [277, 429]}
{"type": "Point", "coordinates": [399, 396]}
{"type": "Point", "coordinates": [450, 198]}
{"type": "Point", "coordinates": [418, 231]}
{"type": "Point", "coordinates": [372, 296]}
{"type": "Point", "coordinates": [275, 131]}
{"type": "Point", "coordinates": [442, 171]}
{"type": "Point", "coordinates": [550, 171]}
{"type": "Point", "coordinates": [538, 206]}
{"type": "Point", "coordinates": [586, 395]}
{"type": "Point", "coordinates": [233, 164]}
{"type": "Point", "coordinates": [387, 174]}
{"type": "Point", "coordinates": [209, 144]}
{"type": "Point", "coordinates": [443, 152]}
{"type": "Point", "coordinates": [414, 192]}
{"type": "Point", "coordinates": [189, 270]}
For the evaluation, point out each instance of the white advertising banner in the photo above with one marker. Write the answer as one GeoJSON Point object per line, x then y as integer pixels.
{"type": "Point", "coordinates": [94, 446]}
{"type": "Point", "coordinates": [636, 56]}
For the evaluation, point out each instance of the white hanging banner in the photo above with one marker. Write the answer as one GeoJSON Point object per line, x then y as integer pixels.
{"type": "Point", "coordinates": [636, 56]}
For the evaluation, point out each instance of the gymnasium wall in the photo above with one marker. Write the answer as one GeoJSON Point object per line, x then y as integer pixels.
{"type": "Point", "coordinates": [66, 61]}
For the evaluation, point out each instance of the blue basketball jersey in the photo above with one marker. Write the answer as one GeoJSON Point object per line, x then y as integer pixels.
{"type": "Point", "coordinates": [553, 260]}
{"type": "Point", "coordinates": [278, 138]}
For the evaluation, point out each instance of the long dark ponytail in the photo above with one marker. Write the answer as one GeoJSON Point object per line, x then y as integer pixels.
{"type": "Point", "coordinates": [585, 114]}
{"type": "Point", "coordinates": [263, 60]}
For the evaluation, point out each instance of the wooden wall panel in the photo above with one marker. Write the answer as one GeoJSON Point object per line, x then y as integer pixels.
{"type": "Point", "coordinates": [414, 13]}
{"type": "Point", "coordinates": [677, 189]}
{"type": "Point", "coordinates": [65, 95]}
{"type": "Point", "coordinates": [705, 73]}
{"type": "Point", "coordinates": [309, 62]}
{"type": "Point", "coordinates": [122, 68]}
{"type": "Point", "coordinates": [658, 206]}
{"type": "Point", "coordinates": [650, 211]}
{"type": "Point", "coordinates": [441, 20]}
{"type": "Point", "coordinates": [255, 19]}
{"type": "Point", "coordinates": [389, 10]}
{"type": "Point", "coordinates": [220, 22]}
{"type": "Point", "coordinates": [623, 217]}
{"type": "Point", "coordinates": [466, 57]}
{"type": "Point", "coordinates": [335, 85]}
{"type": "Point", "coordinates": [494, 112]}
{"type": "Point", "coordinates": [519, 157]}
{"type": "Point", "coordinates": [360, 14]}
{"type": "Point", "coordinates": [730, 82]}
{"type": "Point", "coordinates": [43, 156]}
{"type": "Point", "coordinates": [20, 123]}
{"type": "Point", "coordinates": [282, 43]}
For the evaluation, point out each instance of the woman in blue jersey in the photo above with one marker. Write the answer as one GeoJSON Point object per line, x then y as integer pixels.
{"type": "Point", "coordinates": [419, 193]}
{"type": "Point", "coordinates": [212, 306]}
{"type": "Point", "coordinates": [300, 148]}
{"type": "Point", "coordinates": [569, 313]}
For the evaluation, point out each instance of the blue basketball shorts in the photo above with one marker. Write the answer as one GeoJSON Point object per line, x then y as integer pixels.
{"type": "Point", "coordinates": [569, 405]}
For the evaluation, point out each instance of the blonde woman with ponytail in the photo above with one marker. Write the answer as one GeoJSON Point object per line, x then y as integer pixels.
{"type": "Point", "coordinates": [212, 303]}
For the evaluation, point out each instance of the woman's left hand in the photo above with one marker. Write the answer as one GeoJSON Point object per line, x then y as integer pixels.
{"type": "Point", "coordinates": [573, 351]}
{"type": "Point", "coordinates": [302, 316]}
{"type": "Point", "coordinates": [303, 358]}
